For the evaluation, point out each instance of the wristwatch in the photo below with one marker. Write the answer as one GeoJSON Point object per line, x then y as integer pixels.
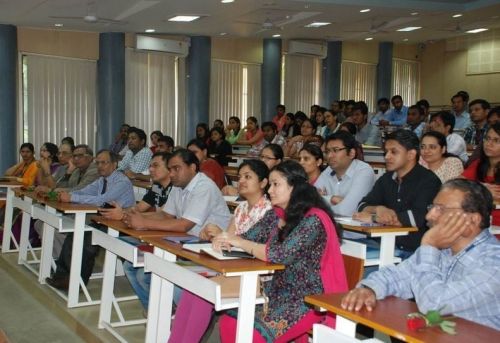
{"type": "Point", "coordinates": [374, 218]}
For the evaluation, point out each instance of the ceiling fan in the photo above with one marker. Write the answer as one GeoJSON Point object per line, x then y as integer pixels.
{"type": "Point", "coordinates": [374, 28]}
{"type": "Point", "coordinates": [279, 22]}
{"type": "Point", "coordinates": [91, 16]}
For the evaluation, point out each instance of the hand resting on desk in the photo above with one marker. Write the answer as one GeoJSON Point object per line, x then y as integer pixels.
{"type": "Point", "coordinates": [359, 297]}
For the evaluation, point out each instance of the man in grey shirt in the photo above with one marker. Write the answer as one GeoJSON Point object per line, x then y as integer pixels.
{"type": "Point", "coordinates": [346, 180]}
{"type": "Point", "coordinates": [366, 133]}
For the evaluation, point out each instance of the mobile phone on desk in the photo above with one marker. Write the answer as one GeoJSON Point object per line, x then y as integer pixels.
{"type": "Point", "coordinates": [236, 253]}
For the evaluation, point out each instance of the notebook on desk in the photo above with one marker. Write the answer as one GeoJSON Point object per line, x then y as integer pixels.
{"type": "Point", "coordinates": [184, 239]}
{"type": "Point", "coordinates": [206, 248]}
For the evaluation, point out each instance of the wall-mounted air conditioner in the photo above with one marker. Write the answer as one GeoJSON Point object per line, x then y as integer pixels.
{"type": "Point", "coordinates": [296, 47]}
{"type": "Point", "coordinates": [171, 46]}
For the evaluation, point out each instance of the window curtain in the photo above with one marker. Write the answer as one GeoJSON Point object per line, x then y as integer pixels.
{"type": "Point", "coordinates": [234, 91]}
{"type": "Point", "coordinates": [358, 81]}
{"type": "Point", "coordinates": [406, 80]}
{"type": "Point", "coordinates": [153, 96]}
{"type": "Point", "coordinates": [59, 100]}
{"type": "Point", "coordinates": [301, 82]}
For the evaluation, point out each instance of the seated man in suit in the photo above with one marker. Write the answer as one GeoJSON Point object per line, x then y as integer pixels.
{"type": "Point", "coordinates": [111, 186]}
{"type": "Point", "coordinates": [401, 196]}
{"type": "Point", "coordinates": [457, 266]}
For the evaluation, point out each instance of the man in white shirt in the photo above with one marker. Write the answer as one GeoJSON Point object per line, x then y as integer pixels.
{"type": "Point", "coordinates": [194, 201]}
{"type": "Point", "coordinates": [444, 122]}
{"type": "Point", "coordinates": [346, 180]}
{"type": "Point", "coordinates": [138, 157]}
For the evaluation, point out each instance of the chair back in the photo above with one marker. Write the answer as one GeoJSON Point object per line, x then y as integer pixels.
{"type": "Point", "coordinates": [354, 268]}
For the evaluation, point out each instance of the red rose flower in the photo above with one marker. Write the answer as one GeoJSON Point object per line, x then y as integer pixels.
{"type": "Point", "coordinates": [416, 323]}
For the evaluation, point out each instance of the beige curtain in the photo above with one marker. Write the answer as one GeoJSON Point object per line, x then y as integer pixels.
{"type": "Point", "coordinates": [153, 100]}
{"type": "Point", "coordinates": [301, 82]}
{"type": "Point", "coordinates": [234, 91]}
{"type": "Point", "coordinates": [358, 81]}
{"type": "Point", "coordinates": [59, 99]}
{"type": "Point", "coordinates": [406, 80]}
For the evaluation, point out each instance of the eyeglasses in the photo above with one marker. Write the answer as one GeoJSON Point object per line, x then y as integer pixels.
{"type": "Point", "coordinates": [441, 208]}
{"type": "Point", "coordinates": [489, 139]}
{"type": "Point", "coordinates": [334, 150]}
{"type": "Point", "coordinates": [267, 158]}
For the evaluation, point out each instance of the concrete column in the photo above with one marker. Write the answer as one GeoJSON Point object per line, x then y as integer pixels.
{"type": "Point", "coordinates": [111, 87]}
{"type": "Point", "coordinates": [271, 78]}
{"type": "Point", "coordinates": [198, 65]}
{"type": "Point", "coordinates": [384, 70]}
{"type": "Point", "coordinates": [8, 87]}
{"type": "Point", "coordinates": [332, 66]}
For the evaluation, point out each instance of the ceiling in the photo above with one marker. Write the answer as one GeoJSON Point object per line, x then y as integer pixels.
{"type": "Point", "coordinates": [245, 18]}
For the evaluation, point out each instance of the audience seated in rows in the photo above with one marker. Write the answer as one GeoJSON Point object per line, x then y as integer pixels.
{"type": "Point", "coordinates": [307, 135]}
{"type": "Point", "coordinates": [366, 133]}
{"type": "Point", "coordinates": [271, 136]}
{"type": "Point", "coordinates": [398, 113]}
{"type": "Point", "coordinates": [415, 120]}
{"type": "Point", "coordinates": [26, 170]}
{"type": "Point", "coordinates": [138, 156]}
{"type": "Point", "coordinates": [219, 148]}
{"type": "Point", "coordinates": [208, 166]}
{"type": "Point", "coordinates": [252, 135]}
{"type": "Point", "coordinates": [444, 122]}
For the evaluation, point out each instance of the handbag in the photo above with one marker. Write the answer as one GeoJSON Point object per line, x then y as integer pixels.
{"type": "Point", "coordinates": [230, 286]}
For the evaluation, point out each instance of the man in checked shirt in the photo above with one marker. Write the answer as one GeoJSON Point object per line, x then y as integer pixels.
{"type": "Point", "coordinates": [456, 269]}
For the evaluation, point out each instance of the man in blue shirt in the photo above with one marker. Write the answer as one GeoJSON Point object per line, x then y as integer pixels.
{"type": "Point", "coordinates": [457, 266]}
{"type": "Point", "coordinates": [111, 186]}
{"type": "Point", "coordinates": [398, 114]}
{"type": "Point", "coordinates": [462, 117]}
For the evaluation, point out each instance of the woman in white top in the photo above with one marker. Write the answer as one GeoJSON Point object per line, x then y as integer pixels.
{"type": "Point", "coordinates": [436, 158]}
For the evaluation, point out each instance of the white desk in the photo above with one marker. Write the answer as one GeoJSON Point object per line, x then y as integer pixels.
{"type": "Point", "coordinates": [7, 223]}
{"type": "Point", "coordinates": [166, 273]}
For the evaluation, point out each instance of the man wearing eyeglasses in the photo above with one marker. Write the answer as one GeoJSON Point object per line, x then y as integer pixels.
{"type": "Point", "coordinates": [457, 266]}
{"type": "Point", "coordinates": [346, 180]}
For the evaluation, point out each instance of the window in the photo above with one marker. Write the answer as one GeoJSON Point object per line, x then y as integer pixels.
{"type": "Point", "coordinates": [358, 81]}
{"type": "Point", "coordinates": [406, 80]}
{"type": "Point", "coordinates": [154, 93]}
{"type": "Point", "coordinates": [234, 91]}
{"type": "Point", "coordinates": [59, 99]}
{"type": "Point", "coordinates": [301, 82]}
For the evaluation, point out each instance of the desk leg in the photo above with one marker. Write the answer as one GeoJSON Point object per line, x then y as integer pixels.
{"type": "Point", "coordinates": [25, 236]}
{"type": "Point", "coordinates": [76, 259]}
{"type": "Point", "coordinates": [345, 326]}
{"type": "Point", "coordinates": [161, 294]}
{"type": "Point", "coordinates": [246, 311]}
{"type": "Point", "coordinates": [387, 247]}
{"type": "Point", "coordinates": [47, 244]}
{"type": "Point", "coordinates": [7, 223]}
{"type": "Point", "coordinates": [108, 282]}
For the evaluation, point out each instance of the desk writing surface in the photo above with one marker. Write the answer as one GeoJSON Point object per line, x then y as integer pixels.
{"type": "Point", "coordinates": [227, 266]}
{"type": "Point", "coordinates": [10, 183]}
{"type": "Point", "coordinates": [142, 184]}
{"type": "Point", "coordinates": [120, 226]}
{"type": "Point", "coordinates": [352, 225]}
{"type": "Point", "coordinates": [66, 207]}
{"type": "Point", "coordinates": [389, 317]}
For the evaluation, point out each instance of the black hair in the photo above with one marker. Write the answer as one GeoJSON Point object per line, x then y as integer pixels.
{"type": "Point", "coordinates": [269, 124]}
{"type": "Point", "coordinates": [396, 97]}
{"type": "Point", "coordinates": [349, 126]}
{"type": "Point", "coordinates": [447, 117]}
{"type": "Point", "coordinates": [441, 139]}
{"type": "Point", "coordinates": [300, 115]}
{"type": "Point", "coordinates": [408, 139]}
{"type": "Point", "coordinates": [29, 146]}
{"type": "Point", "coordinates": [199, 143]}
{"type": "Point", "coordinates": [257, 166]}
{"type": "Point", "coordinates": [53, 150]}
{"type": "Point", "coordinates": [304, 196]}
{"type": "Point", "coordinates": [420, 109]}
{"type": "Point", "coordinates": [314, 150]}
{"type": "Point", "coordinates": [423, 103]}
{"type": "Point", "coordinates": [464, 94]}
{"type": "Point", "coordinates": [113, 157]}
{"type": "Point", "coordinates": [205, 128]}
{"type": "Point", "coordinates": [164, 156]}
{"type": "Point", "coordinates": [281, 106]}
{"type": "Point", "coordinates": [238, 121]}
{"type": "Point", "coordinates": [347, 139]}
{"type": "Point", "coordinates": [140, 133]}
{"type": "Point", "coordinates": [360, 106]}
{"type": "Point", "coordinates": [313, 124]}
{"type": "Point", "coordinates": [168, 140]}
{"type": "Point", "coordinates": [69, 140]}
{"type": "Point", "coordinates": [477, 198]}
{"type": "Point", "coordinates": [276, 149]}
{"type": "Point", "coordinates": [383, 101]}
{"type": "Point", "coordinates": [459, 95]}
{"type": "Point", "coordinates": [187, 156]}
{"type": "Point", "coordinates": [493, 111]}
{"type": "Point", "coordinates": [254, 120]}
{"type": "Point", "coordinates": [219, 121]}
{"type": "Point", "coordinates": [88, 150]}
{"type": "Point", "coordinates": [484, 161]}
{"type": "Point", "coordinates": [156, 132]}
{"type": "Point", "coordinates": [290, 115]}
{"type": "Point", "coordinates": [219, 130]}
{"type": "Point", "coordinates": [484, 104]}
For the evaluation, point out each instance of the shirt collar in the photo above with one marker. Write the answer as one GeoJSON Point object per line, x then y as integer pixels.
{"type": "Point", "coordinates": [193, 182]}
{"type": "Point", "coordinates": [408, 176]}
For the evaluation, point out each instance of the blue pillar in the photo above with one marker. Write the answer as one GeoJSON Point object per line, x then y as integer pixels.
{"type": "Point", "coordinates": [384, 70]}
{"type": "Point", "coordinates": [198, 83]}
{"type": "Point", "coordinates": [8, 64]}
{"type": "Point", "coordinates": [271, 78]}
{"type": "Point", "coordinates": [332, 65]}
{"type": "Point", "coordinates": [111, 87]}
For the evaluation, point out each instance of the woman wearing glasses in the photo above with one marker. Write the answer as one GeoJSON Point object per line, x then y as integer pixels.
{"type": "Point", "coordinates": [486, 168]}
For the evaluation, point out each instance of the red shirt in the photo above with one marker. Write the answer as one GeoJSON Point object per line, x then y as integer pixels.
{"type": "Point", "coordinates": [471, 174]}
{"type": "Point", "coordinates": [213, 170]}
